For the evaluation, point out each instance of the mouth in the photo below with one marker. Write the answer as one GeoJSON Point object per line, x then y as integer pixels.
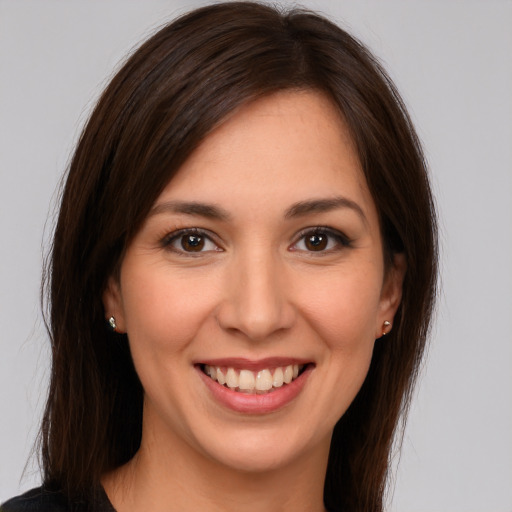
{"type": "Point", "coordinates": [255, 387]}
{"type": "Point", "coordinates": [250, 382]}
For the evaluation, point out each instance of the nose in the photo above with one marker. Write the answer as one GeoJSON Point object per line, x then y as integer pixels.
{"type": "Point", "coordinates": [256, 301]}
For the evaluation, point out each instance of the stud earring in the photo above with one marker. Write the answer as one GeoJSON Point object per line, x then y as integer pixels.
{"type": "Point", "coordinates": [385, 328]}
{"type": "Point", "coordinates": [112, 323]}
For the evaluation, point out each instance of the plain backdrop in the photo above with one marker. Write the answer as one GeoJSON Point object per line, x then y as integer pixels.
{"type": "Point", "coordinates": [452, 62]}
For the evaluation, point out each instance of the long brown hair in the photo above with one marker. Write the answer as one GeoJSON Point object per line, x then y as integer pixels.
{"type": "Point", "coordinates": [178, 86]}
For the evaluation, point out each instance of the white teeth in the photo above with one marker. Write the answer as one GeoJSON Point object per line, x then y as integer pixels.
{"type": "Point", "coordinates": [231, 378]}
{"type": "Point", "coordinates": [246, 380]}
{"type": "Point", "coordinates": [219, 376]}
{"type": "Point", "coordinates": [288, 374]}
{"type": "Point", "coordinates": [250, 382]}
{"type": "Point", "coordinates": [278, 378]}
{"type": "Point", "coordinates": [263, 380]}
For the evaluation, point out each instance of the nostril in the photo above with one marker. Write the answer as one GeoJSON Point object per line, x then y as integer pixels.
{"type": "Point", "coordinates": [256, 324]}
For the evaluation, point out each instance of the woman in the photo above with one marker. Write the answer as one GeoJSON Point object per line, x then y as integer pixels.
{"type": "Point", "coordinates": [249, 213]}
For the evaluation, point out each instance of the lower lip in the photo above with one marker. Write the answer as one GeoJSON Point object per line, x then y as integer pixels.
{"type": "Point", "coordinates": [256, 404]}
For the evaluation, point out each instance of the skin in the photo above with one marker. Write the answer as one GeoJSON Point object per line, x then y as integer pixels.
{"type": "Point", "coordinates": [256, 290]}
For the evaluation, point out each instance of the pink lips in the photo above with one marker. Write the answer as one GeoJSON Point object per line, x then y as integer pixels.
{"type": "Point", "coordinates": [255, 403]}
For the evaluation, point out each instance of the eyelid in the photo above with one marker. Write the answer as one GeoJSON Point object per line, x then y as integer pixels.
{"type": "Point", "coordinates": [343, 240]}
{"type": "Point", "coordinates": [167, 241]}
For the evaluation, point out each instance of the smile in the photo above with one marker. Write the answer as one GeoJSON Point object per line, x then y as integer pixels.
{"type": "Point", "coordinates": [255, 387]}
{"type": "Point", "coordinates": [248, 381]}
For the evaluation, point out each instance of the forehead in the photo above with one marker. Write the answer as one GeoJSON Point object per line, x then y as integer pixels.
{"type": "Point", "coordinates": [273, 152]}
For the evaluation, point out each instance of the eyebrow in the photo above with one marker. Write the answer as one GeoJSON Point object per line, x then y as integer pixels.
{"type": "Point", "coordinates": [323, 205]}
{"type": "Point", "coordinates": [299, 209]}
{"type": "Point", "coordinates": [209, 211]}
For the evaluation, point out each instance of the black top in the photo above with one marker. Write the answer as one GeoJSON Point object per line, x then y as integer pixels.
{"type": "Point", "coordinates": [42, 500]}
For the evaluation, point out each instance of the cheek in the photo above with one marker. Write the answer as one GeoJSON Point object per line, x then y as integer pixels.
{"type": "Point", "coordinates": [342, 312]}
{"type": "Point", "coordinates": [164, 310]}
{"type": "Point", "coordinates": [344, 308]}
{"type": "Point", "coordinates": [163, 314]}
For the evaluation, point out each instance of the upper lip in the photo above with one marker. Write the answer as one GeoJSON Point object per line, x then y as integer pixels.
{"type": "Point", "coordinates": [253, 364]}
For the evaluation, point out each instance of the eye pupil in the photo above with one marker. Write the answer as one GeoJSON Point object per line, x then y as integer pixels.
{"type": "Point", "coordinates": [316, 242]}
{"type": "Point", "coordinates": [192, 243]}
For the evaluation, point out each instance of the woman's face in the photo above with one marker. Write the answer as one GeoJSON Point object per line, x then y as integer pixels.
{"type": "Point", "coordinates": [261, 262]}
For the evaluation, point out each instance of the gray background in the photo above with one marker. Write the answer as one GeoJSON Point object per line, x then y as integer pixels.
{"type": "Point", "coordinates": [452, 62]}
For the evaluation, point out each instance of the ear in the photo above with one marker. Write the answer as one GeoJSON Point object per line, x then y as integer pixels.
{"type": "Point", "coordinates": [113, 304]}
{"type": "Point", "coordinates": [391, 294]}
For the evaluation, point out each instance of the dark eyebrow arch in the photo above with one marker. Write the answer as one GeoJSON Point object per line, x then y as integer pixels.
{"type": "Point", "coordinates": [323, 205]}
{"type": "Point", "coordinates": [209, 211]}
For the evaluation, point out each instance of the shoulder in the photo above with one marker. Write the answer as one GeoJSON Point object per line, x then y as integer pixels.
{"type": "Point", "coordinates": [36, 500]}
{"type": "Point", "coordinates": [44, 500]}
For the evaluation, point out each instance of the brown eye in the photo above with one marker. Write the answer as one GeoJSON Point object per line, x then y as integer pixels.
{"type": "Point", "coordinates": [192, 243]}
{"type": "Point", "coordinates": [321, 240]}
{"type": "Point", "coordinates": [316, 241]}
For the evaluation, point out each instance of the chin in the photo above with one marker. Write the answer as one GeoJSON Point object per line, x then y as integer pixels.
{"type": "Point", "coordinates": [260, 449]}
{"type": "Point", "coordinates": [254, 459]}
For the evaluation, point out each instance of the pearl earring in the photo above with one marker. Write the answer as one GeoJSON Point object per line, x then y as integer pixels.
{"type": "Point", "coordinates": [385, 328]}
{"type": "Point", "coordinates": [112, 323]}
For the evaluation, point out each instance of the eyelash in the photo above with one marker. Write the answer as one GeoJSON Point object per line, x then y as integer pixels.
{"type": "Point", "coordinates": [341, 240]}
{"type": "Point", "coordinates": [175, 236]}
